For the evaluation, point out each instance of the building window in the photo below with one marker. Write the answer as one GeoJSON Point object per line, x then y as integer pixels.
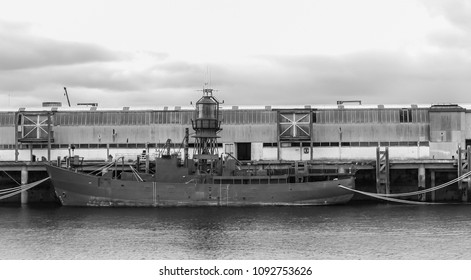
{"type": "Point", "coordinates": [405, 116]}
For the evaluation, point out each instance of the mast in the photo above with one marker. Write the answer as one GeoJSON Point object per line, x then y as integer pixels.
{"type": "Point", "coordinates": [67, 95]}
{"type": "Point", "coordinates": [206, 127]}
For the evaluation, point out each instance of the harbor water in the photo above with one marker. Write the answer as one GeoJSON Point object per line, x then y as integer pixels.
{"type": "Point", "coordinates": [346, 232]}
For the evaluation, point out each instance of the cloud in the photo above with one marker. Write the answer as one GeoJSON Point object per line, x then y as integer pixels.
{"type": "Point", "coordinates": [34, 69]}
{"type": "Point", "coordinates": [20, 49]}
{"type": "Point", "coordinates": [457, 14]}
{"type": "Point", "coordinates": [375, 77]}
{"type": "Point", "coordinates": [116, 83]}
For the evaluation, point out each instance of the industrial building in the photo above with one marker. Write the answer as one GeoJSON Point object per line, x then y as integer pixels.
{"type": "Point", "coordinates": [309, 132]}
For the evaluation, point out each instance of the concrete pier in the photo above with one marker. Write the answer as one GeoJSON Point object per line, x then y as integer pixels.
{"type": "Point", "coordinates": [403, 178]}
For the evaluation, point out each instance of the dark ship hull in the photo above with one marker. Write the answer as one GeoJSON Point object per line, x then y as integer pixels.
{"type": "Point", "coordinates": [80, 189]}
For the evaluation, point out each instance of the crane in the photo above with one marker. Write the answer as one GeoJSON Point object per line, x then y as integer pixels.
{"type": "Point", "coordinates": [66, 95]}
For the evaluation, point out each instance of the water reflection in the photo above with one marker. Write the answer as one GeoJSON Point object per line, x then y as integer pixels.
{"type": "Point", "coordinates": [376, 231]}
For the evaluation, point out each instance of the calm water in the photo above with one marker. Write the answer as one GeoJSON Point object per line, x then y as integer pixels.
{"type": "Point", "coordinates": [375, 231]}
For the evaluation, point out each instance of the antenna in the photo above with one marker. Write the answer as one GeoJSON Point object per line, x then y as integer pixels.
{"type": "Point", "coordinates": [67, 95]}
{"type": "Point", "coordinates": [207, 81]}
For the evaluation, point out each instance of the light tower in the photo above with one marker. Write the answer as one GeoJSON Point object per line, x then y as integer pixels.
{"type": "Point", "coordinates": [206, 126]}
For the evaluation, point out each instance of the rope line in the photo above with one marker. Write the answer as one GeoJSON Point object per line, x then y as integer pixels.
{"type": "Point", "coordinates": [4, 191]}
{"type": "Point", "coordinates": [11, 177]}
{"type": "Point", "coordinates": [388, 197]}
{"type": "Point", "coordinates": [467, 174]}
{"type": "Point", "coordinates": [24, 188]}
{"type": "Point", "coordinates": [107, 165]}
{"type": "Point", "coordinates": [138, 178]}
{"type": "Point", "coordinates": [391, 199]}
{"type": "Point", "coordinates": [426, 190]}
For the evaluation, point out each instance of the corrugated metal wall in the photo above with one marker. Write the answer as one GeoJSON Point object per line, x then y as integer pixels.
{"type": "Point", "coordinates": [351, 127]}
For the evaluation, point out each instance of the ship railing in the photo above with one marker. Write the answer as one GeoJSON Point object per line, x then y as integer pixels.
{"type": "Point", "coordinates": [247, 180]}
{"type": "Point", "coordinates": [131, 157]}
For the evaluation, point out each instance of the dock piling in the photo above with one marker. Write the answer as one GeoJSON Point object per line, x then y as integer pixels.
{"type": "Point", "coordinates": [421, 181]}
{"type": "Point", "coordinates": [382, 170]}
{"type": "Point", "coordinates": [462, 167]}
{"type": "Point", "coordinates": [468, 160]}
{"type": "Point", "coordinates": [24, 180]}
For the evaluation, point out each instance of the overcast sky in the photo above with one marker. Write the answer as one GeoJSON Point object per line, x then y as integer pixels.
{"type": "Point", "coordinates": [145, 53]}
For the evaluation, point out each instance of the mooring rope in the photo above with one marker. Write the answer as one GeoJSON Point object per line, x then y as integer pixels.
{"type": "Point", "coordinates": [391, 199]}
{"type": "Point", "coordinates": [4, 191]}
{"type": "Point", "coordinates": [24, 188]}
{"type": "Point", "coordinates": [138, 178]}
{"type": "Point", "coordinates": [11, 177]}
{"type": "Point", "coordinates": [421, 191]}
{"type": "Point", "coordinates": [425, 190]}
{"type": "Point", "coordinates": [101, 168]}
{"type": "Point", "coordinates": [388, 197]}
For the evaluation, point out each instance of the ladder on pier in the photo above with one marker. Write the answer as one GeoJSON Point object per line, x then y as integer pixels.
{"type": "Point", "coordinates": [301, 169]}
{"type": "Point", "coordinates": [382, 170]}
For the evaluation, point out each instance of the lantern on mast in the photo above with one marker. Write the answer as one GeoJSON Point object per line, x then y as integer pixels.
{"type": "Point", "coordinates": [206, 126]}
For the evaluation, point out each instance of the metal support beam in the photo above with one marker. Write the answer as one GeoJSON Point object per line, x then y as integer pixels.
{"type": "Point", "coordinates": [278, 143]}
{"type": "Point", "coordinates": [185, 147]}
{"type": "Point", "coordinates": [16, 136]}
{"type": "Point", "coordinates": [311, 133]}
{"type": "Point", "coordinates": [49, 137]}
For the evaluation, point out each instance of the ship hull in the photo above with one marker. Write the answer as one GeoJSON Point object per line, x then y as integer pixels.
{"type": "Point", "coordinates": [79, 189]}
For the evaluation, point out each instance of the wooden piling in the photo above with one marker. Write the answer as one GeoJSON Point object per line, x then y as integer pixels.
{"type": "Point", "coordinates": [382, 170]}
{"type": "Point", "coordinates": [468, 158]}
{"type": "Point", "coordinates": [421, 181]}
{"type": "Point", "coordinates": [462, 185]}
{"type": "Point", "coordinates": [432, 184]}
{"type": "Point", "coordinates": [24, 180]}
